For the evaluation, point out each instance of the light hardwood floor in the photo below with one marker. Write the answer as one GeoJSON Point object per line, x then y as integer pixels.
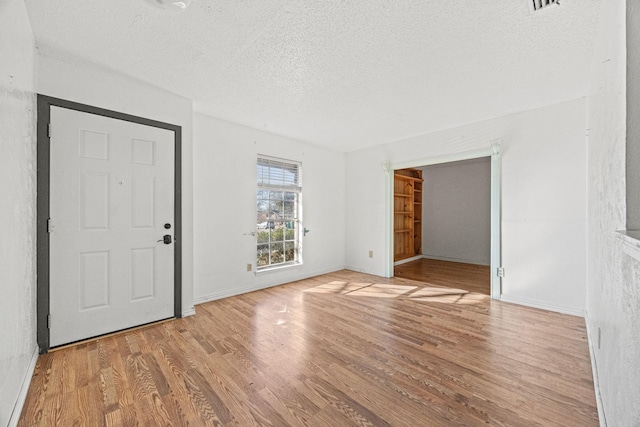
{"type": "Point", "coordinates": [469, 277]}
{"type": "Point", "coordinates": [342, 349]}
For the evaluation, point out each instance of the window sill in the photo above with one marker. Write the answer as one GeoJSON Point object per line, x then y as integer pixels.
{"type": "Point", "coordinates": [278, 267]}
{"type": "Point", "coordinates": [630, 242]}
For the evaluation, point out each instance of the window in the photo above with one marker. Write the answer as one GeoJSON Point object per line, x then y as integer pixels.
{"type": "Point", "coordinates": [278, 213]}
{"type": "Point", "coordinates": [539, 4]}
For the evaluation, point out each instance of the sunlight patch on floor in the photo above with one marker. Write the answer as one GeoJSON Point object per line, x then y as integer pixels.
{"type": "Point", "coordinates": [337, 287]}
{"type": "Point", "coordinates": [415, 293]}
{"type": "Point", "coordinates": [380, 290]}
{"type": "Point", "coordinates": [447, 295]}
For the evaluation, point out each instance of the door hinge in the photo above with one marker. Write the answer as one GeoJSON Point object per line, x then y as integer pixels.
{"type": "Point", "coordinates": [49, 130]}
{"type": "Point", "coordinates": [49, 226]}
{"type": "Point", "coordinates": [500, 271]}
{"type": "Point", "coordinates": [48, 321]}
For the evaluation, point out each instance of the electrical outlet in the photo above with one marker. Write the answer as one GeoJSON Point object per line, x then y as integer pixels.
{"type": "Point", "coordinates": [370, 254]}
{"type": "Point", "coordinates": [249, 267]}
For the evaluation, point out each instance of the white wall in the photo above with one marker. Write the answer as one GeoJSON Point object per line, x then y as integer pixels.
{"type": "Point", "coordinates": [74, 80]}
{"type": "Point", "coordinates": [225, 157]}
{"type": "Point", "coordinates": [613, 291]}
{"type": "Point", "coordinates": [543, 200]}
{"type": "Point", "coordinates": [456, 211]}
{"type": "Point", "coordinates": [18, 349]}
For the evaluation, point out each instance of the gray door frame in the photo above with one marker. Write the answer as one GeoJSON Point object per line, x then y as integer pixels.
{"type": "Point", "coordinates": [43, 203]}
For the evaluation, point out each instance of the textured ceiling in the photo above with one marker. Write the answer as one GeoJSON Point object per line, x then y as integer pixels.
{"type": "Point", "coordinates": [346, 74]}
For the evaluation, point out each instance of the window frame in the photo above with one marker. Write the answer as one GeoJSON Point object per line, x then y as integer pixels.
{"type": "Point", "coordinates": [285, 185]}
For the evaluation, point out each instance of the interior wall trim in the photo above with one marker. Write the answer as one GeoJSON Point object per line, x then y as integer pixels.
{"type": "Point", "coordinates": [541, 305]}
{"type": "Point", "coordinates": [24, 388]}
{"type": "Point", "coordinates": [594, 369]}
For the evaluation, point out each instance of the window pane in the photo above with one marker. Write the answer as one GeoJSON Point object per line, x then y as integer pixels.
{"type": "Point", "coordinates": [289, 211]}
{"type": "Point", "coordinates": [262, 209]}
{"type": "Point", "coordinates": [277, 253]}
{"type": "Point", "coordinates": [276, 195]}
{"type": "Point", "coordinates": [290, 233]}
{"type": "Point", "coordinates": [289, 252]}
{"type": "Point", "coordinates": [277, 234]}
{"type": "Point", "coordinates": [263, 255]}
{"type": "Point", "coordinates": [277, 172]}
{"type": "Point", "coordinates": [276, 209]}
{"type": "Point", "coordinates": [263, 236]}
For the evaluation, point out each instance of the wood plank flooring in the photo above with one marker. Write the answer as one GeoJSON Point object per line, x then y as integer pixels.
{"type": "Point", "coordinates": [469, 277]}
{"type": "Point", "coordinates": [342, 349]}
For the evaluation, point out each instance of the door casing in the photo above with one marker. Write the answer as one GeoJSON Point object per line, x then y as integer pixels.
{"type": "Point", "coordinates": [43, 200]}
{"type": "Point", "coordinates": [496, 234]}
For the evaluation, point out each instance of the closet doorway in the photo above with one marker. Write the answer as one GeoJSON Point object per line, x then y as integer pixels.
{"type": "Point", "coordinates": [444, 222]}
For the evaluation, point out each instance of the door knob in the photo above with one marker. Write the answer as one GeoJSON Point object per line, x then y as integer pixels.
{"type": "Point", "coordinates": [166, 239]}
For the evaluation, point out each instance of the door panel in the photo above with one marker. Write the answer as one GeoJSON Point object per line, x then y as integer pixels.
{"type": "Point", "coordinates": [111, 192]}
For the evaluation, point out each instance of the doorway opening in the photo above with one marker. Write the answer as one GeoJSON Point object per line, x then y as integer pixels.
{"type": "Point", "coordinates": [450, 222]}
{"type": "Point", "coordinates": [455, 253]}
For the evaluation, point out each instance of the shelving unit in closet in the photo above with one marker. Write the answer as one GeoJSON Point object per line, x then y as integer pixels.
{"type": "Point", "coordinates": [407, 213]}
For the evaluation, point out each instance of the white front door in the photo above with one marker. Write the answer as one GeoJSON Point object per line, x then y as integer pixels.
{"type": "Point", "coordinates": [111, 203]}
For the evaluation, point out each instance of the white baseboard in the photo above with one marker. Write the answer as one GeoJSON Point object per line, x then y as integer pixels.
{"type": "Point", "coordinates": [464, 261]}
{"type": "Point", "coordinates": [404, 261]}
{"type": "Point", "coordinates": [542, 305]}
{"type": "Point", "coordinates": [269, 284]}
{"type": "Point", "coordinates": [228, 293]}
{"type": "Point", "coordinates": [189, 312]}
{"type": "Point", "coordinates": [365, 270]}
{"type": "Point", "coordinates": [594, 368]}
{"type": "Point", "coordinates": [24, 388]}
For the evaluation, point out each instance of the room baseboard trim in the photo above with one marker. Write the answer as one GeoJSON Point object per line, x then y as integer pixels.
{"type": "Point", "coordinates": [24, 388]}
{"type": "Point", "coordinates": [594, 368]}
{"type": "Point", "coordinates": [542, 305]}
{"type": "Point", "coordinates": [404, 261]}
{"type": "Point", "coordinates": [464, 261]}
{"type": "Point", "coordinates": [258, 287]}
{"type": "Point", "coordinates": [189, 312]}
{"type": "Point", "coordinates": [365, 270]}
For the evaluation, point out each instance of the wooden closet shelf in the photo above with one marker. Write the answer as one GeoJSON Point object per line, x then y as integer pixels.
{"type": "Point", "coordinates": [408, 178]}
